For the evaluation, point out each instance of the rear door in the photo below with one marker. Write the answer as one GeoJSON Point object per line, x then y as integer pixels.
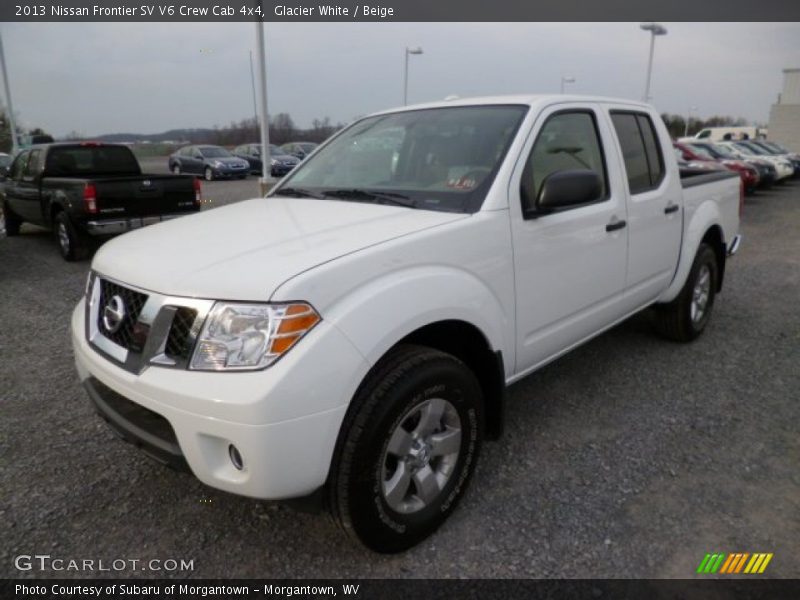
{"type": "Point", "coordinates": [22, 188]}
{"type": "Point", "coordinates": [570, 264]}
{"type": "Point", "coordinates": [655, 205]}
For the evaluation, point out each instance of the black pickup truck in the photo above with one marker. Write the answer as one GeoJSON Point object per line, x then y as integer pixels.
{"type": "Point", "coordinates": [90, 190]}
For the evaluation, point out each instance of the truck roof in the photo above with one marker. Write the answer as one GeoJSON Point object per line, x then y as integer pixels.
{"type": "Point", "coordinates": [525, 99]}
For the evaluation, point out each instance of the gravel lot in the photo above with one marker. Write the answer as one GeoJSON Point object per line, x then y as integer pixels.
{"type": "Point", "coordinates": [630, 457]}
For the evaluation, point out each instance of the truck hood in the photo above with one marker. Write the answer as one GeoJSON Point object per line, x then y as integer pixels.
{"type": "Point", "coordinates": [246, 250]}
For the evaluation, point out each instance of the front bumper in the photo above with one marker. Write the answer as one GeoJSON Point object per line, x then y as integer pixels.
{"type": "Point", "coordinates": [284, 420]}
{"type": "Point", "coordinates": [117, 226]}
{"type": "Point", "coordinates": [226, 171]}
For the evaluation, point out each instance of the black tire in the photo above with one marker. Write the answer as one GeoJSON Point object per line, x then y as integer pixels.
{"type": "Point", "coordinates": [12, 221]}
{"type": "Point", "coordinates": [176, 169]}
{"type": "Point", "coordinates": [208, 174]}
{"type": "Point", "coordinates": [678, 320]}
{"type": "Point", "coordinates": [72, 244]}
{"type": "Point", "coordinates": [408, 378]}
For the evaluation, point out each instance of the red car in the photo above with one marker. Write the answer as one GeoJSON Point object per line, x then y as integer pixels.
{"type": "Point", "coordinates": [702, 152]}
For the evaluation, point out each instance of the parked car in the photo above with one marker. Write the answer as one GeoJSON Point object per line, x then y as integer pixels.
{"type": "Point", "coordinates": [689, 165]}
{"type": "Point", "coordinates": [299, 149]}
{"type": "Point", "coordinates": [353, 334]}
{"type": "Point", "coordinates": [705, 151]}
{"type": "Point", "coordinates": [84, 190]}
{"type": "Point", "coordinates": [775, 150]}
{"type": "Point", "coordinates": [766, 170]}
{"type": "Point", "coordinates": [743, 150]}
{"type": "Point", "coordinates": [212, 162]}
{"type": "Point", "coordinates": [281, 163]}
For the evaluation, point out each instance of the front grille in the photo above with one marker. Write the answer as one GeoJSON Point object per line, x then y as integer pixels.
{"type": "Point", "coordinates": [129, 336]}
{"type": "Point", "coordinates": [179, 340]}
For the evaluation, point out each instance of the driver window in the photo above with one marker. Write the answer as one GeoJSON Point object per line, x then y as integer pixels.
{"type": "Point", "coordinates": [568, 141]}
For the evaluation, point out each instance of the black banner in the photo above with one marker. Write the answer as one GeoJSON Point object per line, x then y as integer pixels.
{"type": "Point", "coordinates": [463, 589]}
{"type": "Point", "coordinates": [397, 10]}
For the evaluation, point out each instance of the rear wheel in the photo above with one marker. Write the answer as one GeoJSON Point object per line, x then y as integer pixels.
{"type": "Point", "coordinates": [72, 244]}
{"type": "Point", "coordinates": [409, 446]}
{"type": "Point", "coordinates": [208, 174]}
{"type": "Point", "coordinates": [685, 318]}
{"type": "Point", "coordinates": [12, 221]}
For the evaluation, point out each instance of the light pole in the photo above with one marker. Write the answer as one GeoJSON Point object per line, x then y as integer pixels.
{"type": "Point", "coordinates": [409, 51]}
{"type": "Point", "coordinates": [654, 29]}
{"type": "Point", "coordinates": [253, 84]}
{"type": "Point", "coordinates": [688, 118]}
{"type": "Point", "coordinates": [565, 80]}
{"type": "Point", "coordinates": [11, 124]}
{"type": "Point", "coordinates": [266, 180]}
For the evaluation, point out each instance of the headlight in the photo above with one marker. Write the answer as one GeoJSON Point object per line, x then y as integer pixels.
{"type": "Point", "coordinates": [238, 337]}
{"type": "Point", "coordinates": [273, 162]}
{"type": "Point", "coordinates": [217, 163]}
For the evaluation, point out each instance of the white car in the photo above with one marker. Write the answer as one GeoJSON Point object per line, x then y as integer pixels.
{"type": "Point", "coordinates": [352, 334]}
{"type": "Point", "coordinates": [783, 167]}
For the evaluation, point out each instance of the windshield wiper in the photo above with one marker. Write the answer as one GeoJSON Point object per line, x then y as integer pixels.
{"type": "Point", "coordinates": [297, 193]}
{"type": "Point", "coordinates": [367, 195]}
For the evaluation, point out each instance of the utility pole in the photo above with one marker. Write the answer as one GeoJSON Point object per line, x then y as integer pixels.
{"type": "Point", "coordinates": [11, 124]}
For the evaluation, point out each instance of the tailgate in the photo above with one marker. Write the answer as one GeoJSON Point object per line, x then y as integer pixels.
{"type": "Point", "coordinates": [145, 195]}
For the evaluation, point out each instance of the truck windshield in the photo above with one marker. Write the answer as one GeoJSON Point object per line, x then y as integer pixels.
{"type": "Point", "coordinates": [441, 159]}
{"type": "Point", "coordinates": [86, 160]}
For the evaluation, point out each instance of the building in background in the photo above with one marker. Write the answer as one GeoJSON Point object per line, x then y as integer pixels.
{"type": "Point", "coordinates": [784, 117]}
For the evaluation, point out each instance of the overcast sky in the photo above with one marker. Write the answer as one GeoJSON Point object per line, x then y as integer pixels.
{"type": "Point", "coordinates": [149, 77]}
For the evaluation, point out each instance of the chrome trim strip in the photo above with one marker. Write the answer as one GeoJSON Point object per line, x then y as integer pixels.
{"type": "Point", "coordinates": [157, 314]}
{"type": "Point", "coordinates": [115, 226]}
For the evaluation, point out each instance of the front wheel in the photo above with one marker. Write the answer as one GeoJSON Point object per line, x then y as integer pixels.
{"type": "Point", "coordinates": [409, 446]}
{"type": "Point", "coordinates": [208, 174]}
{"type": "Point", "coordinates": [685, 318]}
{"type": "Point", "coordinates": [176, 169]}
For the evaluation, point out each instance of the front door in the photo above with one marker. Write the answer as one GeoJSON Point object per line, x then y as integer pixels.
{"type": "Point", "coordinates": [570, 264]}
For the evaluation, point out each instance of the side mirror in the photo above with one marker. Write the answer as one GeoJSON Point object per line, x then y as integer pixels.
{"type": "Point", "coordinates": [568, 188]}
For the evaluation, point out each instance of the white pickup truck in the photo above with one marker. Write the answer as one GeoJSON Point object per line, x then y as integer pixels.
{"type": "Point", "coordinates": [351, 335]}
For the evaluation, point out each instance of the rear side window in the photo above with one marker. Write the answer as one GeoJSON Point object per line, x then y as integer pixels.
{"type": "Point", "coordinates": [66, 161]}
{"type": "Point", "coordinates": [644, 162]}
{"type": "Point", "coordinates": [568, 141]}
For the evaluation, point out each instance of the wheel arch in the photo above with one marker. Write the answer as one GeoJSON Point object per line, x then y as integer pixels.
{"type": "Point", "coordinates": [713, 237]}
{"type": "Point", "coordinates": [467, 343]}
{"type": "Point", "coordinates": [705, 227]}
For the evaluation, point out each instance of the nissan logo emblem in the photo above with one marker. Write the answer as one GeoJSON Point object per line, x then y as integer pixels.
{"type": "Point", "coordinates": [113, 314]}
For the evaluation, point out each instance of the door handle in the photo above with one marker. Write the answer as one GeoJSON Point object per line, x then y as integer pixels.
{"type": "Point", "coordinates": [671, 208]}
{"type": "Point", "coordinates": [615, 225]}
